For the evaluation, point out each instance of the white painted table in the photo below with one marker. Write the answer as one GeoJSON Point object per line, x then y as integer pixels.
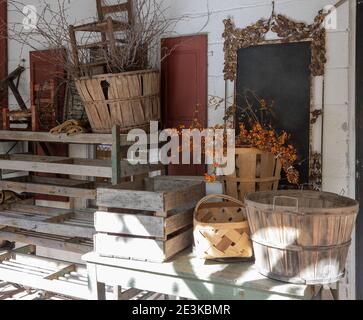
{"type": "Point", "coordinates": [189, 277]}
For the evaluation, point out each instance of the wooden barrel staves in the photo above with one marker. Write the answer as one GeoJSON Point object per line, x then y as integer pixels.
{"type": "Point", "coordinates": [129, 99]}
{"type": "Point", "coordinates": [256, 170]}
{"type": "Point", "coordinates": [301, 236]}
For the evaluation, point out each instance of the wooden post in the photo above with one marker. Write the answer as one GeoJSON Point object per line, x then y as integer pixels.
{"type": "Point", "coordinates": [6, 120]}
{"type": "Point", "coordinates": [97, 289]}
{"type": "Point", "coordinates": [116, 155]}
{"type": "Point", "coordinates": [112, 41]}
{"type": "Point", "coordinates": [34, 119]}
{"type": "Point", "coordinates": [117, 292]}
{"type": "Point", "coordinates": [75, 56]}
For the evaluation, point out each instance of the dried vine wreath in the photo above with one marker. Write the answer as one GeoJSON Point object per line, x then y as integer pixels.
{"type": "Point", "coordinates": [286, 29]}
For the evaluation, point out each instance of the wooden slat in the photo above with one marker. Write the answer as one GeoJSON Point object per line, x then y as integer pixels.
{"type": "Point", "coordinates": [178, 221]}
{"type": "Point", "coordinates": [46, 240]}
{"type": "Point", "coordinates": [61, 272]}
{"type": "Point", "coordinates": [132, 199]}
{"type": "Point", "coordinates": [129, 224]}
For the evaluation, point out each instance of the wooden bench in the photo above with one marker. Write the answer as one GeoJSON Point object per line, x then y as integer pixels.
{"type": "Point", "coordinates": [189, 277]}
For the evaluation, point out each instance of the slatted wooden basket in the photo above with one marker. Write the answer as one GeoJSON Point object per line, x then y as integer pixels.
{"type": "Point", "coordinates": [256, 170]}
{"type": "Point", "coordinates": [301, 236]}
{"type": "Point", "coordinates": [221, 229]}
{"type": "Point", "coordinates": [129, 99]}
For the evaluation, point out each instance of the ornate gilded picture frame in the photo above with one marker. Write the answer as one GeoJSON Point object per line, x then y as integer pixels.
{"type": "Point", "coordinates": [287, 31]}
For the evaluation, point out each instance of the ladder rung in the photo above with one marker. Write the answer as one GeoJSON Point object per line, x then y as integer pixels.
{"type": "Point", "coordinates": [94, 26]}
{"type": "Point", "coordinates": [93, 45]}
{"type": "Point", "coordinates": [102, 26]}
{"type": "Point", "coordinates": [93, 64]}
{"type": "Point", "coordinates": [115, 8]}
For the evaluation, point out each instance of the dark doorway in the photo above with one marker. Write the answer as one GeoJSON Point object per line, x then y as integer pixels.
{"type": "Point", "coordinates": [359, 147]}
{"type": "Point", "coordinates": [281, 73]}
{"type": "Point", "coordinates": [184, 87]}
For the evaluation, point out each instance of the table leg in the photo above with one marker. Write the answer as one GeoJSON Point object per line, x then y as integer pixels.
{"type": "Point", "coordinates": [117, 293]}
{"type": "Point", "coordinates": [96, 289]}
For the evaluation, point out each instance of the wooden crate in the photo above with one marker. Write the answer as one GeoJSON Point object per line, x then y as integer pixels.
{"type": "Point", "coordinates": [149, 219]}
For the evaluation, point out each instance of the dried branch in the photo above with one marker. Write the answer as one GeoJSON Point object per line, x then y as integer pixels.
{"type": "Point", "coordinates": [138, 47]}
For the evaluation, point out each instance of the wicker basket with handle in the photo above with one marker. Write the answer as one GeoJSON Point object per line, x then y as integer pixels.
{"type": "Point", "coordinates": [221, 229]}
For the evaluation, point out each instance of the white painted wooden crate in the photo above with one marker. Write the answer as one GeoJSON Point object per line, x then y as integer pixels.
{"type": "Point", "coordinates": [146, 220]}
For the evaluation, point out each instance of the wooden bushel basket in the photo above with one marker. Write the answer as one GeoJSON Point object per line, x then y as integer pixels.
{"type": "Point", "coordinates": [301, 236]}
{"type": "Point", "coordinates": [256, 170]}
{"type": "Point", "coordinates": [221, 229]}
{"type": "Point", "coordinates": [129, 99]}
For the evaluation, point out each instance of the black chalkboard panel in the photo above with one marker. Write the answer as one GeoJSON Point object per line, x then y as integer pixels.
{"type": "Point", "coordinates": [280, 73]}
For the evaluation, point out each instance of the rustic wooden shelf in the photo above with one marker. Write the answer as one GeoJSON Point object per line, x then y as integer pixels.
{"type": "Point", "coordinates": [72, 166]}
{"type": "Point", "coordinates": [46, 274]}
{"type": "Point", "coordinates": [24, 267]}
{"type": "Point", "coordinates": [51, 186]}
{"type": "Point", "coordinates": [47, 220]}
{"type": "Point", "coordinates": [82, 138]}
{"type": "Point", "coordinates": [46, 240]}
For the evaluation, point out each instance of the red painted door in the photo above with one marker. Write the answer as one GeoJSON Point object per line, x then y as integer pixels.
{"type": "Point", "coordinates": [3, 53]}
{"type": "Point", "coordinates": [184, 87]}
{"type": "Point", "coordinates": [46, 69]}
{"type": "Point", "coordinates": [48, 66]}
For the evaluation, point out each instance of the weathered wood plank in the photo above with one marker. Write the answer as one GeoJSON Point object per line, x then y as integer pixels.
{"type": "Point", "coordinates": [178, 221]}
{"type": "Point", "coordinates": [61, 272]}
{"type": "Point", "coordinates": [130, 199]}
{"type": "Point", "coordinates": [129, 224]}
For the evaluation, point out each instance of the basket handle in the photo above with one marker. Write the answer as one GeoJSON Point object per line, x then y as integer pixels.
{"type": "Point", "coordinates": [285, 197]}
{"type": "Point", "coordinates": [218, 196]}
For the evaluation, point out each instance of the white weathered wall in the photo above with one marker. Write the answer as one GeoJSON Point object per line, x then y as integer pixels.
{"type": "Point", "coordinates": [339, 131]}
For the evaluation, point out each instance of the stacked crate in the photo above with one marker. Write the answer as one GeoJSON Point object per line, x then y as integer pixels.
{"type": "Point", "coordinates": [146, 220]}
